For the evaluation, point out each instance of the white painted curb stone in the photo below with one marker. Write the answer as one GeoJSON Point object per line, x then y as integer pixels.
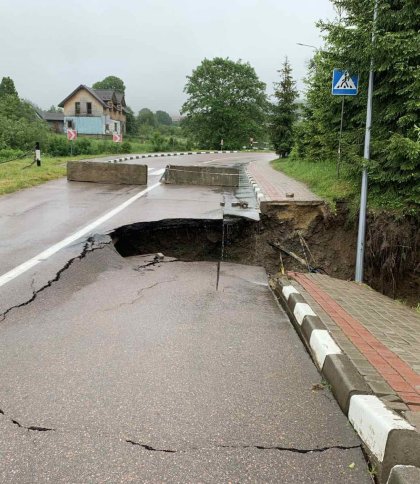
{"type": "Point", "coordinates": [323, 345]}
{"type": "Point", "coordinates": [287, 290]}
{"type": "Point", "coordinates": [373, 422]}
{"type": "Point", "coordinates": [301, 310]}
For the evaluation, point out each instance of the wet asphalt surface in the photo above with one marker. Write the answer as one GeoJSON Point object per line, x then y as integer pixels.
{"type": "Point", "coordinates": [34, 219]}
{"type": "Point", "coordinates": [127, 371]}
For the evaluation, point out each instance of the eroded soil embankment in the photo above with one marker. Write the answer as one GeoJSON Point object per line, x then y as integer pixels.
{"type": "Point", "coordinates": [392, 251]}
{"type": "Point", "coordinates": [318, 237]}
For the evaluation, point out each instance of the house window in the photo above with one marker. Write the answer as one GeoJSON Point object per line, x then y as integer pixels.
{"type": "Point", "coordinates": [77, 108]}
{"type": "Point", "coordinates": [70, 124]}
{"type": "Point", "coordinates": [107, 128]}
{"type": "Point", "coordinates": [116, 127]}
{"type": "Point", "coordinates": [89, 108]}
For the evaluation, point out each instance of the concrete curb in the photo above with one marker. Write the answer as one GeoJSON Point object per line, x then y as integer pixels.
{"type": "Point", "coordinates": [160, 155]}
{"type": "Point", "coordinates": [259, 194]}
{"type": "Point", "coordinates": [390, 440]}
{"type": "Point", "coordinates": [404, 475]}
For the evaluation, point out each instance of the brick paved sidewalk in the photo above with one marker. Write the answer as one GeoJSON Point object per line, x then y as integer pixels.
{"type": "Point", "coordinates": [379, 335]}
{"type": "Point", "coordinates": [275, 184]}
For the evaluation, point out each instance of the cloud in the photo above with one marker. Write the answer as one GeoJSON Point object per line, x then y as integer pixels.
{"type": "Point", "coordinates": [50, 47]}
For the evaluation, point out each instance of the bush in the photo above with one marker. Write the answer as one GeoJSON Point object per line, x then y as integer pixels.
{"type": "Point", "coordinates": [83, 146]}
{"type": "Point", "coordinates": [9, 154]}
{"type": "Point", "coordinates": [58, 146]}
{"type": "Point", "coordinates": [126, 147]}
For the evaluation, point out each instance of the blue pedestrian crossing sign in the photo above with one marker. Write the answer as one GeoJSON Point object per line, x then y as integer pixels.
{"type": "Point", "coordinates": [344, 84]}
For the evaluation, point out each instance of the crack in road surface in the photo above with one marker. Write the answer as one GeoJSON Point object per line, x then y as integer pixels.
{"type": "Point", "coordinates": [31, 427]}
{"type": "Point", "coordinates": [292, 449]}
{"type": "Point", "coordinates": [87, 248]}
{"type": "Point", "coordinates": [149, 447]}
{"type": "Point", "coordinates": [154, 263]}
{"type": "Point", "coordinates": [138, 296]}
{"type": "Point", "coordinates": [259, 447]}
{"type": "Point", "coordinates": [220, 446]}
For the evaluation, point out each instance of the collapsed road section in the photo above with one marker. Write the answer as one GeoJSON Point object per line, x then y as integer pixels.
{"type": "Point", "coordinates": [172, 363]}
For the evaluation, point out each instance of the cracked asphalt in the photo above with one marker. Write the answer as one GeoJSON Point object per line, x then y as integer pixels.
{"type": "Point", "coordinates": [136, 370]}
{"type": "Point", "coordinates": [123, 371]}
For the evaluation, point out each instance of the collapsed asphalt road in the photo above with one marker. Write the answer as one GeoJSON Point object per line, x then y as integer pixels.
{"type": "Point", "coordinates": [134, 370]}
{"type": "Point", "coordinates": [140, 370]}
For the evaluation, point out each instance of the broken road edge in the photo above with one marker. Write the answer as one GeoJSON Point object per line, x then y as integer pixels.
{"type": "Point", "coordinates": [392, 444]}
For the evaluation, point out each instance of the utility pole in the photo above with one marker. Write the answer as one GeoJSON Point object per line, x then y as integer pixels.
{"type": "Point", "coordinates": [366, 155]}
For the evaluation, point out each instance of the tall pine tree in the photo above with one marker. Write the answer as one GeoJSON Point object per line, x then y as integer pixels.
{"type": "Point", "coordinates": [395, 149]}
{"type": "Point", "coordinates": [283, 114]}
{"type": "Point", "coordinates": [7, 87]}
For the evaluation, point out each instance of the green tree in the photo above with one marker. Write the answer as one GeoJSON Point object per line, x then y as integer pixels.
{"type": "Point", "coordinates": [162, 117]}
{"type": "Point", "coordinates": [146, 117]}
{"type": "Point", "coordinates": [283, 111]}
{"type": "Point", "coordinates": [7, 87]}
{"type": "Point", "coordinates": [131, 121]}
{"type": "Point", "coordinates": [20, 127]}
{"type": "Point", "coordinates": [110, 82]}
{"type": "Point", "coordinates": [395, 149]}
{"type": "Point", "coordinates": [226, 100]}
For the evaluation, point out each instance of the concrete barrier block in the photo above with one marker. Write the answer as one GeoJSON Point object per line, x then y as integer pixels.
{"type": "Point", "coordinates": [102, 172]}
{"type": "Point", "coordinates": [202, 175]}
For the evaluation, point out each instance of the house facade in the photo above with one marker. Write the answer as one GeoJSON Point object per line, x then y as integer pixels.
{"type": "Point", "coordinates": [94, 111]}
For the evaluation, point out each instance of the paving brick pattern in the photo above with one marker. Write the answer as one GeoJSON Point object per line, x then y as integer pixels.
{"type": "Point", "coordinates": [276, 184]}
{"type": "Point", "coordinates": [381, 336]}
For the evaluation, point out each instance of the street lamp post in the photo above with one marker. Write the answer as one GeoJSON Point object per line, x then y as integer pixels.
{"type": "Point", "coordinates": [366, 155]}
{"type": "Point", "coordinates": [307, 45]}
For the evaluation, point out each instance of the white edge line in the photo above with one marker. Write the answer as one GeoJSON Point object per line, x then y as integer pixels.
{"type": "Point", "coordinates": [42, 256]}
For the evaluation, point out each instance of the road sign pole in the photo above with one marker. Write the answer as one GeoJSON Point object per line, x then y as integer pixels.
{"type": "Point", "coordinates": [363, 194]}
{"type": "Point", "coordinates": [339, 139]}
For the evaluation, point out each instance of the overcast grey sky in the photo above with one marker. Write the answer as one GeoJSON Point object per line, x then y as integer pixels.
{"type": "Point", "coordinates": [49, 47]}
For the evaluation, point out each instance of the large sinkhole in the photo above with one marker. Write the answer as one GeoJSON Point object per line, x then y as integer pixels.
{"type": "Point", "coordinates": [231, 239]}
{"type": "Point", "coordinates": [318, 237]}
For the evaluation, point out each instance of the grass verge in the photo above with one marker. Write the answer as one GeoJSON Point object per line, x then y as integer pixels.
{"type": "Point", "coordinates": [320, 177]}
{"type": "Point", "coordinates": [16, 175]}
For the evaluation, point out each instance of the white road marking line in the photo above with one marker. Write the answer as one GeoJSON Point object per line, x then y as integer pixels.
{"type": "Point", "coordinates": [158, 172]}
{"type": "Point", "coordinates": [373, 422]}
{"type": "Point", "coordinates": [44, 255]}
{"type": "Point", "coordinates": [151, 170]}
{"type": "Point", "coordinates": [323, 345]}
